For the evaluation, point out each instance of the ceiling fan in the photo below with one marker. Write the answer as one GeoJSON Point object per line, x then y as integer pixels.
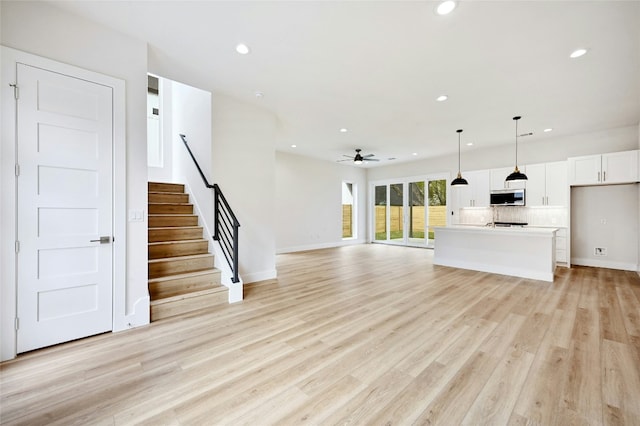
{"type": "Point", "coordinates": [359, 159]}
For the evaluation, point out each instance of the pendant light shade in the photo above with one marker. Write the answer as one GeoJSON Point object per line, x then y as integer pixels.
{"type": "Point", "coordinates": [459, 180]}
{"type": "Point", "coordinates": [517, 174]}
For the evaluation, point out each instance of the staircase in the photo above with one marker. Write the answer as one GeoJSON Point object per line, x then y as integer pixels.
{"type": "Point", "coordinates": [182, 278]}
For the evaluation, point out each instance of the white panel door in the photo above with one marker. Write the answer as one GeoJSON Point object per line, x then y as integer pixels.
{"type": "Point", "coordinates": [65, 195]}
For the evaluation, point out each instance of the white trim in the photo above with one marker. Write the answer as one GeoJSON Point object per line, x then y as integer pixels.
{"type": "Point", "coordinates": [10, 58]}
{"type": "Point", "coordinates": [496, 269]}
{"type": "Point", "coordinates": [597, 263]}
{"type": "Point", "coordinates": [140, 314]}
{"type": "Point", "coordinates": [261, 276]}
{"type": "Point", "coordinates": [201, 218]}
{"type": "Point", "coordinates": [346, 242]}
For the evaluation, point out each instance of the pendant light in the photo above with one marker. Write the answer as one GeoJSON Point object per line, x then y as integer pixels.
{"type": "Point", "coordinates": [459, 180]}
{"type": "Point", "coordinates": [516, 175]}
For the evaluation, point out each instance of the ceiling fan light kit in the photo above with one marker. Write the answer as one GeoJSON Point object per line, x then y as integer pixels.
{"type": "Point", "coordinates": [459, 180]}
{"type": "Point", "coordinates": [517, 174]}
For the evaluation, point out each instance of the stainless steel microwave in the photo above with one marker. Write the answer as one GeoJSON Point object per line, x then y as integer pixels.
{"type": "Point", "coordinates": [507, 197]}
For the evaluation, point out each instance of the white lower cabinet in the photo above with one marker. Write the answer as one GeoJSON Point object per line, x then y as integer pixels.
{"type": "Point", "coordinates": [561, 245]}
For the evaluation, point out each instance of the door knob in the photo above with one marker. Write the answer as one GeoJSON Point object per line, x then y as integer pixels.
{"type": "Point", "coordinates": [102, 240]}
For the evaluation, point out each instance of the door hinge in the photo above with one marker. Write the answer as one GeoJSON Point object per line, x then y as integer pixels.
{"type": "Point", "coordinates": [17, 246]}
{"type": "Point", "coordinates": [16, 91]}
{"type": "Point", "coordinates": [17, 323]}
{"type": "Point", "coordinates": [17, 170]}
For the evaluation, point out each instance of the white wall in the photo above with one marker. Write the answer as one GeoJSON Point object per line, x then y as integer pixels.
{"type": "Point", "coordinates": [605, 216]}
{"type": "Point", "coordinates": [41, 29]}
{"type": "Point", "coordinates": [309, 203]}
{"type": "Point", "coordinates": [165, 173]}
{"type": "Point", "coordinates": [191, 116]}
{"type": "Point", "coordinates": [244, 166]}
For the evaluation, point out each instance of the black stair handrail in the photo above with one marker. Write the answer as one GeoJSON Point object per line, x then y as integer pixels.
{"type": "Point", "coordinates": [225, 222]}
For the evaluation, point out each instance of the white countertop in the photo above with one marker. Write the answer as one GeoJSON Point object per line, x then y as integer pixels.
{"type": "Point", "coordinates": [513, 230]}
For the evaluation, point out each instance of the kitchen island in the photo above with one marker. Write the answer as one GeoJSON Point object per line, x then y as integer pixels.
{"type": "Point", "coordinates": [517, 251]}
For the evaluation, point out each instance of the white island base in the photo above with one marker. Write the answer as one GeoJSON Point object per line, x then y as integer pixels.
{"type": "Point", "coordinates": [520, 252]}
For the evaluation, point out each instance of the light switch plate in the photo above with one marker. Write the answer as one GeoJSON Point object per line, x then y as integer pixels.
{"type": "Point", "coordinates": [136, 215]}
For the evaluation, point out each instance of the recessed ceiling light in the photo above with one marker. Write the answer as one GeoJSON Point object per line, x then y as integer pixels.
{"type": "Point", "coordinates": [294, 146]}
{"type": "Point", "coordinates": [445, 7]}
{"type": "Point", "coordinates": [469, 143]}
{"type": "Point", "coordinates": [242, 49]}
{"type": "Point", "coordinates": [547, 130]}
{"type": "Point", "coordinates": [259, 95]}
{"type": "Point", "coordinates": [577, 53]}
{"type": "Point", "coordinates": [415, 153]}
{"type": "Point", "coordinates": [442, 98]}
{"type": "Point", "coordinates": [343, 130]}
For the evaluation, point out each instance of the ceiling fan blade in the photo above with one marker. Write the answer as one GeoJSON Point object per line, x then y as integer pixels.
{"type": "Point", "coordinates": [340, 161]}
{"type": "Point", "coordinates": [370, 159]}
{"type": "Point", "coordinates": [348, 156]}
{"type": "Point", "coordinates": [368, 155]}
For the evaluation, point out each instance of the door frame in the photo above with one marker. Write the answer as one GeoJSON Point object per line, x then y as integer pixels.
{"type": "Point", "coordinates": [8, 187]}
{"type": "Point", "coordinates": [405, 181]}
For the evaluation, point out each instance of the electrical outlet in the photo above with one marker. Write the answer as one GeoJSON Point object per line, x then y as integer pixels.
{"type": "Point", "coordinates": [600, 251]}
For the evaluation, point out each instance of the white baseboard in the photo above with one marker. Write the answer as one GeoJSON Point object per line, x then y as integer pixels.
{"type": "Point", "coordinates": [259, 276]}
{"type": "Point", "coordinates": [139, 317]}
{"type": "Point", "coordinates": [496, 269]}
{"type": "Point", "coordinates": [597, 263]}
{"type": "Point", "coordinates": [319, 246]}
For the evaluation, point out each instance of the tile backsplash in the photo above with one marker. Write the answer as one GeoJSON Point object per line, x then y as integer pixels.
{"type": "Point", "coordinates": [534, 216]}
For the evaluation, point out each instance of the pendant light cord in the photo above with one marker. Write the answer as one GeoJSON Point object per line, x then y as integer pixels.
{"type": "Point", "coordinates": [459, 152]}
{"type": "Point", "coordinates": [516, 141]}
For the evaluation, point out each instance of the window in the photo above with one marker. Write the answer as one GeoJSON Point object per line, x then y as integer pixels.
{"type": "Point", "coordinates": [154, 141]}
{"type": "Point", "coordinates": [348, 213]}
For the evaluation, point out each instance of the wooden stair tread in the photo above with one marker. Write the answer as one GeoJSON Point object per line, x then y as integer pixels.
{"type": "Point", "coordinates": [192, 256]}
{"type": "Point", "coordinates": [165, 193]}
{"type": "Point", "coordinates": [182, 204]}
{"type": "Point", "coordinates": [200, 240]}
{"type": "Point", "coordinates": [184, 280]}
{"type": "Point", "coordinates": [184, 275]}
{"type": "Point", "coordinates": [172, 228]}
{"type": "Point", "coordinates": [170, 214]}
{"type": "Point", "coordinates": [190, 295]}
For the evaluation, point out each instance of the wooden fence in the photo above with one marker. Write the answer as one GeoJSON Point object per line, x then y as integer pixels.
{"type": "Point", "coordinates": [437, 217]}
{"type": "Point", "coordinates": [347, 221]}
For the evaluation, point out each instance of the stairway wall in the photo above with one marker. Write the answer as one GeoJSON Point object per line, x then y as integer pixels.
{"type": "Point", "coordinates": [244, 166]}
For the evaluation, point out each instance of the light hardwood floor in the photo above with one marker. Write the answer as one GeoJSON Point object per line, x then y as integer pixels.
{"type": "Point", "coordinates": [367, 334]}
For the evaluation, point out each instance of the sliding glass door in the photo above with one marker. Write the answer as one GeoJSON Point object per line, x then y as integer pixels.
{"type": "Point", "coordinates": [405, 212]}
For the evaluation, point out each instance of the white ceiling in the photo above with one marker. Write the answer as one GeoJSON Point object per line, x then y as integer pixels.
{"type": "Point", "coordinates": [376, 68]}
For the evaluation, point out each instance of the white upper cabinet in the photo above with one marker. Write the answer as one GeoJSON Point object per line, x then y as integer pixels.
{"type": "Point", "coordinates": [499, 176]}
{"type": "Point", "coordinates": [620, 167]}
{"type": "Point", "coordinates": [611, 168]}
{"type": "Point", "coordinates": [547, 184]}
{"type": "Point", "coordinates": [476, 194]}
